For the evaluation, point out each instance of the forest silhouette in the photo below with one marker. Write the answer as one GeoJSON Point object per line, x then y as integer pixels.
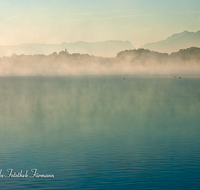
{"type": "Point", "coordinates": [140, 61]}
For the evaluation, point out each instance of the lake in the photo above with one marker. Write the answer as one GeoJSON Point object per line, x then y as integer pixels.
{"type": "Point", "coordinates": [101, 132]}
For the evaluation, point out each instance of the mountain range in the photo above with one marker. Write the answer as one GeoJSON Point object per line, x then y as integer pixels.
{"type": "Point", "coordinates": [175, 42]}
{"type": "Point", "coordinates": [106, 48]}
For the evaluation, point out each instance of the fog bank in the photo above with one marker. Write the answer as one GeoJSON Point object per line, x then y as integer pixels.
{"type": "Point", "coordinates": [129, 62]}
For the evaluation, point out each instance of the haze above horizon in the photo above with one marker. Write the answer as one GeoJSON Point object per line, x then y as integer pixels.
{"type": "Point", "coordinates": [138, 21]}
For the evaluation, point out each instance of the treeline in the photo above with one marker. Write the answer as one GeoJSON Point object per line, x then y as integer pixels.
{"type": "Point", "coordinates": [140, 61]}
{"type": "Point", "coordinates": [61, 57]}
{"type": "Point", "coordinates": [139, 56]}
{"type": "Point", "coordinates": [145, 55]}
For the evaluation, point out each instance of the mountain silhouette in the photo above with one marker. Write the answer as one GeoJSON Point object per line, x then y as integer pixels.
{"type": "Point", "coordinates": [175, 42]}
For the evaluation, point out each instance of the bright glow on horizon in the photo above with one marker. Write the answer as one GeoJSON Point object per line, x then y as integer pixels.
{"type": "Point", "coordinates": [138, 21]}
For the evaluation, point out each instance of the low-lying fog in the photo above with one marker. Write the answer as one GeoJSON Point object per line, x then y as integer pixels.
{"type": "Point", "coordinates": [130, 62]}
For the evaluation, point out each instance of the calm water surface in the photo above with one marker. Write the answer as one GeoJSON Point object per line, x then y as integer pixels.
{"type": "Point", "coordinates": [101, 132]}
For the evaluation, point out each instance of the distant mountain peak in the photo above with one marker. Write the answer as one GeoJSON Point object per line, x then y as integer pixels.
{"type": "Point", "coordinates": [177, 35]}
{"type": "Point", "coordinates": [175, 42]}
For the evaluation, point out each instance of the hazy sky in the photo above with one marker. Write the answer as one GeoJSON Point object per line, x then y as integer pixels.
{"type": "Point", "coordinates": [57, 21]}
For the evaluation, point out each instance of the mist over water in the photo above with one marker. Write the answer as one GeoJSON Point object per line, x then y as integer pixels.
{"type": "Point", "coordinates": [101, 132]}
{"type": "Point", "coordinates": [80, 103]}
{"type": "Point", "coordinates": [129, 62]}
{"type": "Point", "coordinates": [45, 69]}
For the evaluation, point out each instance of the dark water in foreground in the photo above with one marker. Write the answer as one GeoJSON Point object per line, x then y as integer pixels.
{"type": "Point", "coordinates": [101, 132]}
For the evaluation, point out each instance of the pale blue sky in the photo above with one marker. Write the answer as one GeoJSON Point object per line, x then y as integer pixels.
{"type": "Point", "coordinates": [57, 21]}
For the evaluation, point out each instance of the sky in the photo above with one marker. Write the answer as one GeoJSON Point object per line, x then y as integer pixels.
{"type": "Point", "coordinates": [57, 21]}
